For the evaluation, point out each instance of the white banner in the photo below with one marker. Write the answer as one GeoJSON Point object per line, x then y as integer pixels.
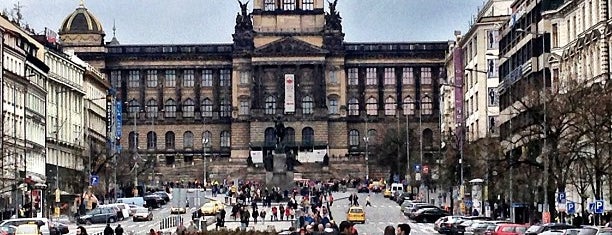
{"type": "Point", "coordinates": [315, 156]}
{"type": "Point", "coordinates": [257, 157]}
{"type": "Point", "coordinates": [289, 93]}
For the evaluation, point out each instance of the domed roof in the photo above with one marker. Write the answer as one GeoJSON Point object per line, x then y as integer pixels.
{"type": "Point", "coordinates": [81, 21]}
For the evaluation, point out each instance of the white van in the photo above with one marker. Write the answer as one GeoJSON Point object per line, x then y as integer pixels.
{"type": "Point", "coordinates": [397, 187]}
{"type": "Point", "coordinates": [44, 223]}
{"type": "Point", "coordinates": [139, 201]}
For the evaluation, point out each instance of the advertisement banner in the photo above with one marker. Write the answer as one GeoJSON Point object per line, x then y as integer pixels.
{"type": "Point", "coordinates": [257, 156]}
{"type": "Point", "coordinates": [289, 93]}
{"type": "Point", "coordinates": [458, 64]}
{"type": "Point", "coordinates": [119, 118]}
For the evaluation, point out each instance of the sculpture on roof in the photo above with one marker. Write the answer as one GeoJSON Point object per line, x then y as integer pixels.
{"type": "Point", "coordinates": [333, 21]}
{"type": "Point", "coordinates": [243, 30]}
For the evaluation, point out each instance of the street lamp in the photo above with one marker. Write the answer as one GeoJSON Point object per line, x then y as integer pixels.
{"type": "Point", "coordinates": [546, 212]}
{"type": "Point", "coordinates": [205, 141]}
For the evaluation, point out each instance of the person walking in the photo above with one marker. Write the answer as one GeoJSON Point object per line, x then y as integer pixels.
{"type": "Point", "coordinates": [281, 211]}
{"type": "Point", "coordinates": [330, 199]}
{"type": "Point", "coordinates": [368, 203]}
{"type": "Point", "coordinates": [262, 214]}
{"type": "Point", "coordinates": [255, 215]}
{"type": "Point", "coordinates": [403, 229]}
{"type": "Point", "coordinates": [274, 214]}
{"type": "Point", "coordinates": [118, 230]}
{"type": "Point", "coordinates": [108, 230]}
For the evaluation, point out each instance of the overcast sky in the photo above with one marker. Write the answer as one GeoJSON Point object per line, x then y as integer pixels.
{"type": "Point", "coordinates": [212, 21]}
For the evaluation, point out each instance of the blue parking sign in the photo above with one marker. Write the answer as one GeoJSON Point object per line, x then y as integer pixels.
{"type": "Point", "coordinates": [571, 208]}
{"type": "Point", "coordinates": [591, 207]}
{"type": "Point", "coordinates": [599, 207]}
{"type": "Point", "coordinates": [94, 180]}
{"type": "Point", "coordinates": [561, 197]}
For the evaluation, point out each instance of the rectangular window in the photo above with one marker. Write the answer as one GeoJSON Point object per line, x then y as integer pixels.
{"type": "Point", "coordinates": [426, 76]}
{"type": "Point", "coordinates": [244, 107]}
{"type": "Point", "coordinates": [224, 77]}
{"type": "Point", "coordinates": [389, 76]}
{"type": "Point", "coordinates": [555, 35]}
{"type": "Point", "coordinates": [245, 76]}
{"type": "Point", "coordinates": [270, 5]}
{"type": "Point", "coordinates": [333, 106]}
{"type": "Point", "coordinates": [116, 78]}
{"type": "Point", "coordinates": [353, 77]}
{"type": "Point", "coordinates": [407, 76]}
{"type": "Point", "coordinates": [371, 76]}
{"type": "Point", "coordinates": [333, 79]}
{"type": "Point", "coordinates": [170, 80]}
{"type": "Point", "coordinates": [188, 78]}
{"type": "Point", "coordinates": [151, 78]}
{"type": "Point", "coordinates": [288, 5]}
{"type": "Point", "coordinates": [307, 5]}
{"type": "Point", "coordinates": [207, 78]}
{"type": "Point", "coordinates": [134, 78]}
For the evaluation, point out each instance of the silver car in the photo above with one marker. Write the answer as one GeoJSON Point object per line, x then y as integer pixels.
{"type": "Point", "coordinates": [142, 214]}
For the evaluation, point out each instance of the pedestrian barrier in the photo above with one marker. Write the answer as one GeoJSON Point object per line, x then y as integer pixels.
{"type": "Point", "coordinates": [98, 233]}
{"type": "Point", "coordinates": [170, 222]}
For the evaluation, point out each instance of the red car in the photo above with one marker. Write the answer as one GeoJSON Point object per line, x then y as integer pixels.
{"type": "Point", "coordinates": [510, 229]}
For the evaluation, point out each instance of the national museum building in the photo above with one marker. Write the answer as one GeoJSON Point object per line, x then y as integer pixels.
{"type": "Point", "coordinates": [289, 61]}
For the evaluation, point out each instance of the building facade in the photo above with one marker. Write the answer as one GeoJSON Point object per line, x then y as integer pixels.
{"type": "Point", "coordinates": [288, 60]}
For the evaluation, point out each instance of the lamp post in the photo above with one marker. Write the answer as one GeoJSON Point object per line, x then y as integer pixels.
{"type": "Point", "coordinates": [205, 141]}
{"type": "Point", "coordinates": [546, 212]}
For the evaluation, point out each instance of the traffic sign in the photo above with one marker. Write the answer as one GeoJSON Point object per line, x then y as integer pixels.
{"type": "Point", "coordinates": [94, 180]}
{"type": "Point", "coordinates": [425, 169]}
{"type": "Point", "coordinates": [561, 196]}
{"type": "Point", "coordinates": [417, 168]}
{"type": "Point", "coordinates": [468, 203]}
{"type": "Point", "coordinates": [571, 208]}
{"type": "Point", "coordinates": [599, 207]}
{"type": "Point", "coordinates": [591, 207]}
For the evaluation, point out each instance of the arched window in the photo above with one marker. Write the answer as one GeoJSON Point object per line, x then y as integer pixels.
{"type": "Point", "coordinates": [207, 107]}
{"type": "Point", "coordinates": [170, 108]}
{"type": "Point", "coordinates": [270, 137]}
{"type": "Point", "coordinates": [307, 136]}
{"type": "Point", "coordinates": [133, 140]}
{"type": "Point", "coordinates": [206, 139]}
{"type": "Point", "coordinates": [290, 136]}
{"type": "Point", "coordinates": [372, 136]}
{"type": "Point", "coordinates": [133, 108]}
{"type": "Point", "coordinates": [188, 140]}
{"type": "Point", "coordinates": [307, 105]}
{"type": "Point", "coordinates": [170, 140]}
{"type": "Point", "coordinates": [225, 139]}
{"type": "Point", "coordinates": [426, 106]}
{"type": "Point", "coordinates": [390, 106]}
{"type": "Point", "coordinates": [225, 108]}
{"type": "Point", "coordinates": [408, 106]}
{"type": "Point", "coordinates": [427, 137]}
{"type": "Point", "coordinates": [151, 108]}
{"type": "Point", "coordinates": [353, 138]}
{"type": "Point", "coordinates": [188, 108]}
{"type": "Point", "coordinates": [372, 107]}
{"type": "Point", "coordinates": [332, 107]}
{"type": "Point", "coordinates": [270, 108]}
{"type": "Point", "coordinates": [151, 140]}
{"type": "Point", "coordinates": [353, 107]}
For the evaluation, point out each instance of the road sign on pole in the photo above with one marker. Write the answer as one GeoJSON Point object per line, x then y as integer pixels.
{"type": "Point", "coordinates": [561, 196]}
{"type": "Point", "coordinates": [599, 207]}
{"type": "Point", "coordinates": [417, 168]}
{"type": "Point", "coordinates": [571, 208]}
{"type": "Point", "coordinates": [591, 207]}
{"type": "Point", "coordinates": [94, 180]}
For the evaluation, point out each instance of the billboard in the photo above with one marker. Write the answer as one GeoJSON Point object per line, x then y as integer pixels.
{"type": "Point", "coordinates": [118, 119]}
{"type": "Point", "coordinates": [458, 64]}
{"type": "Point", "coordinates": [289, 93]}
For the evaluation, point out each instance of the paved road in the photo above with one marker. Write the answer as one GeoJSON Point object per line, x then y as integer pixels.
{"type": "Point", "coordinates": [383, 212]}
{"type": "Point", "coordinates": [195, 197]}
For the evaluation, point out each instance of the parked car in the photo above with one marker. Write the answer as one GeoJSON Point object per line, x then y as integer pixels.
{"type": "Point", "coordinates": [98, 215]}
{"type": "Point", "coordinates": [444, 224]}
{"type": "Point", "coordinates": [417, 206]}
{"type": "Point", "coordinates": [478, 227]}
{"type": "Point", "coordinates": [429, 214]}
{"type": "Point", "coordinates": [510, 229]}
{"type": "Point", "coordinates": [167, 197]}
{"type": "Point", "coordinates": [537, 229]}
{"type": "Point", "coordinates": [45, 227]}
{"type": "Point", "coordinates": [604, 231]}
{"type": "Point", "coordinates": [61, 227]}
{"type": "Point", "coordinates": [363, 188]}
{"type": "Point", "coordinates": [8, 230]}
{"type": "Point", "coordinates": [133, 209]}
{"type": "Point", "coordinates": [28, 229]}
{"type": "Point", "coordinates": [142, 214]}
{"type": "Point", "coordinates": [581, 231]}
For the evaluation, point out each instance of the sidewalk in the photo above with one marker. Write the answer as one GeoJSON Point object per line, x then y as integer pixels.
{"type": "Point", "coordinates": [260, 226]}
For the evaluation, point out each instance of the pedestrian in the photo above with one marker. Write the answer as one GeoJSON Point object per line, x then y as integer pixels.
{"type": "Point", "coordinates": [262, 214]}
{"type": "Point", "coordinates": [368, 201]}
{"type": "Point", "coordinates": [108, 230]}
{"type": "Point", "coordinates": [118, 230]}
{"type": "Point", "coordinates": [219, 223]}
{"type": "Point", "coordinates": [389, 230]}
{"type": "Point", "coordinates": [355, 200]}
{"type": "Point", "coordinates": [181, 229]}
{"type": "Point", "coordinates": [403, 229]}
{"type": "Point", "coordinates": [152, 232]}
{"type": "Point", "coordinates": [330, 199]}
{"type": "Point", "coordinates": [281, 210]}
{"type": "Point", "coordinates": [287, 212]}
{"type": "Point", "coordinates": [81, 230]}
{"type": "Point", "coordinates": [274, 214]}
{"type": "Point", "coordinates": [351, 200]}
{"type": "Point", "coordinates": [255, 215]}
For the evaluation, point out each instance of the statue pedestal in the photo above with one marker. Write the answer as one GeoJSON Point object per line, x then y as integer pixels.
{"type": "Point", "coordinates": [325, 168]}
{"type": "Point", "coordinates": [279, 176]}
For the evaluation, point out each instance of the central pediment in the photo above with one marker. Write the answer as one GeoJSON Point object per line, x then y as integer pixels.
{"type": "Point", "coordinates": [290, 46]}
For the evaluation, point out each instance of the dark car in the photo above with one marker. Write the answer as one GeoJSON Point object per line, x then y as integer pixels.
{"type": "Point", "coordinates": [537, 229]}
{"type": "Point", "coordinates": [163, 195]}
{"type": "Point", "coordinates": [8, 230]}
{"type": "Point", "coordinates": [363, 188]}
{"type": "Point", "coordinates": [401, 197]}
{"type": "Point", "coordinates": [153, 201]}
{"type": "Point", "coordinates": [98, 215]}
{"type": "Point", "coordinates": [62, 228]}
{"type": "Point", "coordinates": [160, 200]}
{"type": "Point", "coordinates": [426, 215]}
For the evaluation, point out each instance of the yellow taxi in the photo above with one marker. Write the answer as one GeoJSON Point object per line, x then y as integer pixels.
{"type": "Point", "coordinates": [387, 193]}
{"type": "Point", "coordinates": [211, 207]}
{"type": "Point", "coordinates": [356, 214]}
{"type": "Point", "coordinates": [27, 229]}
